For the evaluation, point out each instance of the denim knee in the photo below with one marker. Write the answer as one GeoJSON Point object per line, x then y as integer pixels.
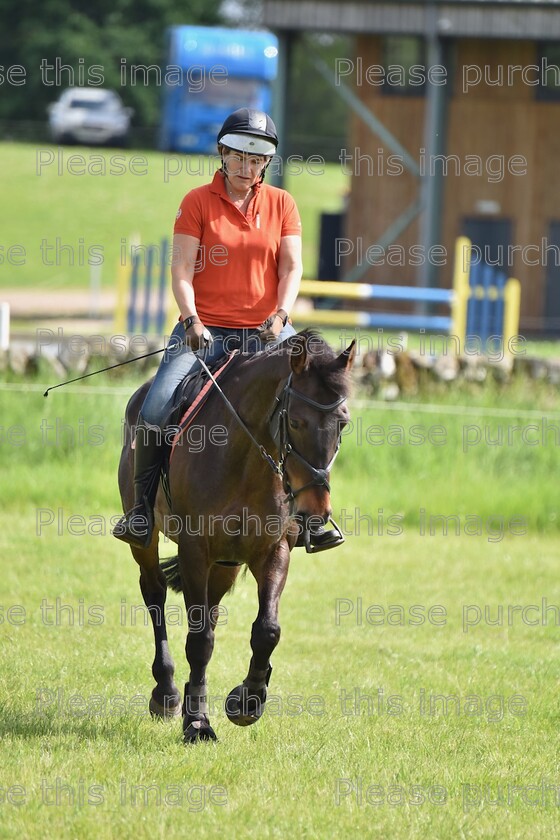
{"type": "Point", "coordinates": [156, 407]}
{"type": "Point", "coordinates": [177, 362]}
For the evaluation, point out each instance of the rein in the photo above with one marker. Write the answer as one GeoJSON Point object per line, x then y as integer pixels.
{"type": "Point", "coordinates": [281, 435]}
{"type": "Point", "coordinates": [277, 468]}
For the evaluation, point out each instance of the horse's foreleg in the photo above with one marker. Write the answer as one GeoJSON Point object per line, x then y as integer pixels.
{"type": "Point", "coordinates": [165, 701]}
{"type": "Point", "coordinates": [198, 648]}
{"type": "Point", "coordinates": [245, 704]}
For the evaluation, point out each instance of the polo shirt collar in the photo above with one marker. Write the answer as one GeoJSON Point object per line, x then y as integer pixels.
{"type": "Point", "coordinates": [218, 185]}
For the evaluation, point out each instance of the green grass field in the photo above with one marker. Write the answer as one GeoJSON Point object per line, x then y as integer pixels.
{"type": "Point", "coordinates": [385, 719]}
{"type": "Point", "coordinates": [414, 691]}
{"type": "Point", "coordinates": [64, 212]}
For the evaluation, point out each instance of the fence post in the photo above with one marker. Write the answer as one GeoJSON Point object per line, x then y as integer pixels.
{"type": "Point", "coordinates": [161, 313]}
{"type": "Point", "coordinates": [4, 326]}
{"type": "Point", "coordinates": [146, 314]}
{"type": "Point", "coordinates": [141, 290]}
{"type": "Point", "coordinates": [133, 293]}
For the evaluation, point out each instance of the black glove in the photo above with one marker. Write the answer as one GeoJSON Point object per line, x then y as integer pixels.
{"type": "Point", "coordinates": [273, 326]}
{"type": "Point", "coordinates": [196, 334]}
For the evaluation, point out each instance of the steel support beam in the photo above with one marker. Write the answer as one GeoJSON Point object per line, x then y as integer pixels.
{"type": "Point", "coordinates": [434, 144]}
{"type": "Point", "coordinates": [280, 102]}
{"type": "Point", "coordinates": [373, 123]}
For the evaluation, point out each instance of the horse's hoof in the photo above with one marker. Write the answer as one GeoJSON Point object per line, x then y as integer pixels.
{"type": "Point", "coordinates": [170, 708]}
{"type": "Point", "coordinates": [198, 730]}
{"type": "Point", "coordinates": [244, 708]}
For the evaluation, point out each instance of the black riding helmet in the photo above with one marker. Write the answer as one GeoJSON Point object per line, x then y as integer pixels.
{"type": "Point", "coordinates": [250, 131]}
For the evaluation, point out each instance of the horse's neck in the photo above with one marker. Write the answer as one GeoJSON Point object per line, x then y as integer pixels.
{"type": "Point", "coordinates": [257, 387]}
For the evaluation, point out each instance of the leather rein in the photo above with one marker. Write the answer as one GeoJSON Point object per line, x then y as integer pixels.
{"type": "Point", "coordinates": [280, 433]}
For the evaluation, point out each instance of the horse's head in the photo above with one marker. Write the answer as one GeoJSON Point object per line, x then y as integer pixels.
{"type": "Point", "coordinates": [313, 412]}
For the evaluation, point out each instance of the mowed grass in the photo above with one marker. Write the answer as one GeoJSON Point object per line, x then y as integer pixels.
{"type": "Point", "coordinates": [69, 206]}
{"type": "Point", "coordinates": [351, 744]}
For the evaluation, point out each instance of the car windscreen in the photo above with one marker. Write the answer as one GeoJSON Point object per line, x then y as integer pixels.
{"type": "Point", "coordinates": [91, 105]}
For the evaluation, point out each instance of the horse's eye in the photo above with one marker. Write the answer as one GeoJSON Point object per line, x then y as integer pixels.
{"type": "Point", "coordinates": [294, 424]}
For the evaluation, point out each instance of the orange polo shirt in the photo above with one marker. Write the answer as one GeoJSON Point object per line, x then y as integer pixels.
{"type": "Point", "coordinates": [236, 278]}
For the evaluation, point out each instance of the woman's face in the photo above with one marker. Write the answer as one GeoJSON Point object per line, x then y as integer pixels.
{"type": "Point", "coordinates": [243, 170]}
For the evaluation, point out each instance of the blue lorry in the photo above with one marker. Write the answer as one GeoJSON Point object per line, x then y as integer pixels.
{"type": "Point", "coordinates": [211, 72]}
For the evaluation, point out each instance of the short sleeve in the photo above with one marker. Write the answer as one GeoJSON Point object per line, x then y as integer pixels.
{"type": "Point", "coordinates": [189, 216]}
{"type": "Point", "coordinates": [291, 222]}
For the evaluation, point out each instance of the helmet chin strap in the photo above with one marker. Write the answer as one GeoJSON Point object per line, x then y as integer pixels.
{"type": "Point", "coordinates": [265, 167]}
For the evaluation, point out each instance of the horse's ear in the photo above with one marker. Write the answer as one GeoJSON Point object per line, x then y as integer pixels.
{"type": "Point", "coordinates": [298, 354]}
{"type": "Point", "coordinates": [347, 357]}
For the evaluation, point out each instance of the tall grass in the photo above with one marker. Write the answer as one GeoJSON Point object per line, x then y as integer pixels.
{"type": "Point", "coordinates": [422, 460]}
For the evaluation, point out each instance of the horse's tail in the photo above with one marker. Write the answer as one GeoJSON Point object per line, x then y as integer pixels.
{"type": "Point", "coordinates": [170, 569]}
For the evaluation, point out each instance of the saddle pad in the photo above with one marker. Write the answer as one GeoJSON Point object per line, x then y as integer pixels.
{"type": "Point", "coordinates": [197, 404]}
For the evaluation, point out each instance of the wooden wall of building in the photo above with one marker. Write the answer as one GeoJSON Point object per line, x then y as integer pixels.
{"type": "Point", "coordinates": [503, 120]}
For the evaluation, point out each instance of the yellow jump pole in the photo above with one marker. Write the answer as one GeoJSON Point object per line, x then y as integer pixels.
{"type": "Point", "coordinates": [333, 288]}
{"type": "Point", "coordinates": [123, 290]}
{"type": "Point", "coordinates": [461, 289]}
{"type": "Point", "coordinates": [124, 271]}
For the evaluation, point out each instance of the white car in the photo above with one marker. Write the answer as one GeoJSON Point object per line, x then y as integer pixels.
{"type": "Point", "coordinates": [91, 116]}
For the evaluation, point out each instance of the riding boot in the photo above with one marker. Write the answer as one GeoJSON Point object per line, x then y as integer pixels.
{"type": "Point", "coordinates": [318, 538]}
{"type": "Point", "coordinates": [321, 539]}
{"type": "Point", "coordinates": [137, 525]}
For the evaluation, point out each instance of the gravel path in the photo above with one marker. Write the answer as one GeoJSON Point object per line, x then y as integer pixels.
{"type": "Point", "coordinates": [30, 303]}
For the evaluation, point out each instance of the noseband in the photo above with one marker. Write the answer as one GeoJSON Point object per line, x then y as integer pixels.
{"type": "Point", "coordinates": [280, 432]}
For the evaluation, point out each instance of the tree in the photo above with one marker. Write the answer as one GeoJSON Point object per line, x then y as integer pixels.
{"type": "Point", "coordinates": [86, 44]}
{"type": "Point", "coordinates": [318, 117]}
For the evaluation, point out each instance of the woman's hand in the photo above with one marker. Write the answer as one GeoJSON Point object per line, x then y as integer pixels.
{"type": "Point", "coordinates": [196, 334]}
{"type": "Point", "coordinates": [273, 326]}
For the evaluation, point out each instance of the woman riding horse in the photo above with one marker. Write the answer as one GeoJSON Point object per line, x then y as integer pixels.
{"type": "Point", "coordinates": [235, 272]}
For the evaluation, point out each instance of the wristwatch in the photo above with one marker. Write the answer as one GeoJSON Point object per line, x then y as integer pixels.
{"type": "Point", "coordinates": [283, 315]}
{"type": "Point", "coordinates": [188, 322]}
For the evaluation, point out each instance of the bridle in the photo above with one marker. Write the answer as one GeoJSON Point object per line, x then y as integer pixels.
{"type": "Point", "coordinates": [280, 432]}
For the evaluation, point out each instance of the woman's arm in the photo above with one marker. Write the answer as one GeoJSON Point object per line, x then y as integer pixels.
{"type": "Point", "coordinates": [185, 254]}
{"type": "Point", "coordinates": [183, 263]}
{"type": "Point", "coordinates": [290, 269]}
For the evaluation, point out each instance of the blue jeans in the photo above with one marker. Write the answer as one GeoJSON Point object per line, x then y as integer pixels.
{"type": "Point", "coordinates": [179, 360]}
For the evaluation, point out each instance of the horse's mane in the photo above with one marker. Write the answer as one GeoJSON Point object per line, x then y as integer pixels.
{"type": "Point", "coordinates": [320, 357]}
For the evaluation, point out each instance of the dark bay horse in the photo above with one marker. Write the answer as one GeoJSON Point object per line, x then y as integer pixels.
{"type": "Point", "coordinates": [230, 507]}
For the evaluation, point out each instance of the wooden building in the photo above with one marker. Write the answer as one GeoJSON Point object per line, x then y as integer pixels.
{"type": "Point", "coordinates": [460, 134]}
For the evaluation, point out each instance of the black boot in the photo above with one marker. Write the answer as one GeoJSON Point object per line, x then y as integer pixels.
{"type": "Point", "coordinates": [319, 538]}
{"type": "Point", "coordinates": [137, 525]}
